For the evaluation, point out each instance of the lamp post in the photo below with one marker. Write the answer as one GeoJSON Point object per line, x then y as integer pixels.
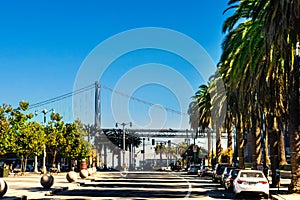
{"type": "Point", "coordinates": [124, 137]}
{"type": "Point", "coordinates": [45, 111]}
{"type": "Point", "coordinates": [195, 148]}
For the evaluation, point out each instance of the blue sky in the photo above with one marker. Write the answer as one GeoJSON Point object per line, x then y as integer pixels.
{"type": "Point", "coordinates": [43, 44]}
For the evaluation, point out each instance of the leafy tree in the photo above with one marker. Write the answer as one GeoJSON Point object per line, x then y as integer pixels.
{"type": "Point", "coordinates": [26, 138]}
{"type": "Point", "coordinates": [29, 141]}
{"type": "Point", "coordinates": [55, 135]}
{"type": "Point", "coordinates": [75, 146]}
{"type": "Point", "coordinates": [4, 128]}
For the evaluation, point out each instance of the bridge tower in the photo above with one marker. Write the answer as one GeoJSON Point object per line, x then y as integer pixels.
{"type": "Point", "coordinates": [97, 105]}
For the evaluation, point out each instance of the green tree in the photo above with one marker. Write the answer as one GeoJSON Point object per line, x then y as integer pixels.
{"type": "Point", "coordinates": [26, 138]}
{"type": "Point", "coordinates": [255, 67]}
{"type": "Point", "coordinates": [5, 110]}
{"type": "Point", "coordinates": [75, 147]}
{"type": "Point", "coordinates": [55, 131]}
{"type": "Point", "coordinates": [200, 112]}
{"type": "Point", "coordinates": [28, 142]}
{"type": "Point", "coordinates": [282, 28]}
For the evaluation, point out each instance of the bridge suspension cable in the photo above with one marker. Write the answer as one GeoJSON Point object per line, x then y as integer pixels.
{"type": "Point", "coordinates": [92, 87]}
{"type": "Point", "coordinates": [61, 97]}
{"type": "Point", "coordinates": [142, 101]}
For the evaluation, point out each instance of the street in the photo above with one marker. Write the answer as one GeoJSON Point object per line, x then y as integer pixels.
{"type": "Point", "coordinates": [115, 185]}
{"type": "Point", "coordinates": [147, 185]}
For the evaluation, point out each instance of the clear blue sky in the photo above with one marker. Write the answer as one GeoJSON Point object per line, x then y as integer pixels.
{"type": "Point", "coordinates": [44, 43]}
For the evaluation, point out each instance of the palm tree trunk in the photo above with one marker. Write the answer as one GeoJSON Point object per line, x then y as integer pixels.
{"type": "Point", "coordinates": [273, 139]}
{"type": "Point", "coordinates": [282, 158]}
{"type": "Point", "coordinates": [240, 142]}
{"type": "Point", "coordinates": [267, 142]}
{"type": "Point", "coordinates": [209, 140]}
{"type": "Point", "coordinates": [229, 139]}
{"type": "Point", "coordinates": [218, 144]}
{"type": "Point", "coordinates": [294, 127]}
{"type": "Point", "coordinates": [256, 143]}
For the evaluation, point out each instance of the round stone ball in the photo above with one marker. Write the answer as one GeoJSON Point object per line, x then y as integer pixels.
{"type": "Point", "coordinates": [71, 176]}
{"type": "Point", "coordinates": [84, 173]}
{"type": "Point", "coordinates": [90, 171]}
{"type": "Point", "coordinates": [47, 180]}
{"type": "Point", "coordinates": [3, 187]}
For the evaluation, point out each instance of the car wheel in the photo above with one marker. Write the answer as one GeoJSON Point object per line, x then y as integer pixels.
{"type": "Point", "coordinates": [266, 196]}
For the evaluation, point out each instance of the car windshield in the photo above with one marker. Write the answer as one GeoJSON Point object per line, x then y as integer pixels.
{"type": "Point", "coordinates": [252, 175]}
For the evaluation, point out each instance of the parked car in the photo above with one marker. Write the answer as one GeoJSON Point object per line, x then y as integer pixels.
{"type": "Point", "coordinates": [251, 182]}
{"type": "Point", "coordinates": [193, 169]}
{"type": "Point", "coordinates": [205, 170]}
{"type": "Point", "coordinates": [225, 174]}
{"type": "Point", "coordinates": [228, 183]}
{"type": "Point", "coordinates": [218, 171]}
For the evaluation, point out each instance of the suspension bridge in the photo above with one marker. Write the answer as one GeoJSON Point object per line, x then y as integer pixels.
{"type": "Point", "coordinates": [92, 97]}
{"type": "Point", "coordinates": [63, 105]}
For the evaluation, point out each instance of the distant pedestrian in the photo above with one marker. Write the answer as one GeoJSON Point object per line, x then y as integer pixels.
{"type": "Point", "coordinates": [58, 167]}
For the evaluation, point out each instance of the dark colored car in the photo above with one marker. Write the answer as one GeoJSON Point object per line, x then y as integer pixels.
{"type": "Point", "coordinates": [228, 183]}
{"type": "Point", "coordinates": [193, 169]}
{"type": "Point", "coordinates": [218, 171]}
{"type": "Point", "coordinates": [205, 170]}
{"type": "Point", "coordinates": [175, 167]}
{"type": "Point", "coordinates": [225, 174]}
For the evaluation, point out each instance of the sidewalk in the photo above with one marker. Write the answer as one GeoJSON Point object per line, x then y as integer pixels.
{"type": "Point", "coordinates": [282, 194]}
{"type": "Point", "coordinates": [29, 187]}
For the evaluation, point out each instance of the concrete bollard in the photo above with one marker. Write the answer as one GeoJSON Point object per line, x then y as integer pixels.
{"type": "Point", "coordinates": [71, 176]}
{"type": "Point", "coordinates": [90, 171]}
{"type": "Point", "coordinates": [3, 187]}
{"type": "Point", "coordinates": [84, 173]}
{"type": "Point", "coordinates": [47, 180]}
{"type": "Point", "coordinates": [94, 170]}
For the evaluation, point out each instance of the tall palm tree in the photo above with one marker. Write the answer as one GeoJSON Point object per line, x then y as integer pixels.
{"type": "Point", "coordinates": [200, 112]}
{"type": "Point", "coordinates": [248, 69]}
{"type": "Point", "coordinates": [282, 28]}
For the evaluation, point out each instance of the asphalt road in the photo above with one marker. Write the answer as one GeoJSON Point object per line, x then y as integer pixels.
{"type": "Point", "coordinates": [137, 185]}
{"type": "Point", "coordinates": [147, 185]}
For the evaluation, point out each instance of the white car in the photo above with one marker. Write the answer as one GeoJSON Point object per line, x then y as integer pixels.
{"type": "Point", "coordinates": [251, 181]}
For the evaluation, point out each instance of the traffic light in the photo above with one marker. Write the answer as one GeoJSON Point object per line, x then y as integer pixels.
{"type": "Point", "coordinates": [153, 141]}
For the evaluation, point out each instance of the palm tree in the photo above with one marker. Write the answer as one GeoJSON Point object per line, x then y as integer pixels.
{"type": "Point", "coordinates": [200, 111]}
{"type": "Point", "coordinates": [281, 25]}
{"type": "Point", "coordinates": [255, 64]}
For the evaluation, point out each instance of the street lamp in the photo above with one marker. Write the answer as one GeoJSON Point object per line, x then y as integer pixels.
{"type": "Point", "coordinates": [45, 111]}
{"type": "Point", "coordinates": [124, 137]}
